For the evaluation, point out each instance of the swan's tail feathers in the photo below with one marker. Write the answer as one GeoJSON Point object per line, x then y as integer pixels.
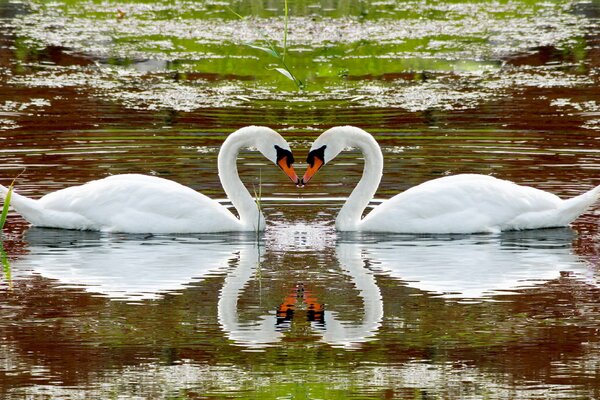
{"type": "Point", "coordinates": [572, 208]}
{"type": "Point", "coordinates": [28, 208]}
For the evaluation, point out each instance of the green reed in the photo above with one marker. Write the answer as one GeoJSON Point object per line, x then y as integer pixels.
{"type": "Point", "coordinates": [271, 49]}
{"type": "Point", "coordinates": [6, 270]}
{"type": "Point", "coordinates": [258, 200]}
{"type": "Point", "coordinates": [4, 214]}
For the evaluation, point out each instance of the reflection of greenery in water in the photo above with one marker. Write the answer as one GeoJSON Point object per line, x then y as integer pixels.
{"type": "Point", "coordinates": [186, 55]}
{"type": "Point", "coordinates": [354, 54]}
{"type": "Point", "coordinates": [6, 269]}
{"type": "Point", "coordinates": [3, 257]}
{"type": "Point", "coordinates": [208, 37]}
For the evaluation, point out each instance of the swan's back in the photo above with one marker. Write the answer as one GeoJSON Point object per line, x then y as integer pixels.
{"type": "Point", "coordinates": [466, 203]}
{"type": "Point", "coordinates": [134, 203]}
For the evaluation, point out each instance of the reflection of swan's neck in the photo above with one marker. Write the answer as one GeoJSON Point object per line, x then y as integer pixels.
{"type": "Point", "coordinates": [338, 333]}
{"type": "Point", "coordinates": [350, 214]}
{"type": "Point", "coordinates": [251, 334]}
{"type": "Point", "coordinates": [232, 184]}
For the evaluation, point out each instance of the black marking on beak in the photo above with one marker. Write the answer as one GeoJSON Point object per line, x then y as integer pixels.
{"type": "Point", "coordinates": [318, 153]}
{"type": "Point", "coordinates": [282, 153]}
{"type": "Point", "coordinates": [315, 160]}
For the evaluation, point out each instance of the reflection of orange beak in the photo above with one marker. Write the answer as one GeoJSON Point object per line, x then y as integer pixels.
{"type": "Point", "coordinates": [289, 170]}
{"type": "Point", "coordinates": [312, 169]}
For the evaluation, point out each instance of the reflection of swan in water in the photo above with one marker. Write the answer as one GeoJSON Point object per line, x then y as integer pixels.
{"type": "Point", "coordinates": [347, 335]}
{"type": "Point", "coordinates": [473, 266]}
{"type": "Point", "coordinates": [251, 334]}
{"type": "Point", "coordinates": [127, 267]}
{"type": "Point", "coordinates": [134, 267]}
{"type": "Point", "coordinates": [267, 330]}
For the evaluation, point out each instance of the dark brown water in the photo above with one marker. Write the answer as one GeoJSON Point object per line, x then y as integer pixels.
{"type": "Point", "coordinates": [301, 311]}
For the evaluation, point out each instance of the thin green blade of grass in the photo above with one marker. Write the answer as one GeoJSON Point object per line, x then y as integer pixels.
{"type": "Point", "coordinates": [234, 13]}
{"type": "Point", "coordinates": [267, 50]}
{"type": "Point", "coordinates": [4, 214]}
{"type": "Point", "coordinates": [6, 269]}
{"type": "Point", "coordinates": [272, 50]}
{"type": "Point", "coordinates": [257, 199]}
{"type": "Point", "coordinates": [285, 30]}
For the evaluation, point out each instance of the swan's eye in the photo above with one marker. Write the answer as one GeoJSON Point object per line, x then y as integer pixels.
{"type": "Point", "coordinates": [284, 154]}
{"type": "Point", "coordinates": [316, 153]}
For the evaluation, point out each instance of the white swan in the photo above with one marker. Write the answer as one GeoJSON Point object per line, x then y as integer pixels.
{"type": "Point", "coordinates": [466, 203]}
{"type": "Point", "coordinates": [135, 203]}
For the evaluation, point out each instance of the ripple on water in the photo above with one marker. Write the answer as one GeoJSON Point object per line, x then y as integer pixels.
{"type": "Point", "coordinates": [507, 89]}
{"type": "Point", "coordinates": [463, 51]}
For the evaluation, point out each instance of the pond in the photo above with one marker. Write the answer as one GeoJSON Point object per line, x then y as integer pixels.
{"type": "Point", "coordinates": [90, 89]}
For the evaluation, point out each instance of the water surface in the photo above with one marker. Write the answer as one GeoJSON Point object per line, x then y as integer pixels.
{"type": "Point", "coordinates": [89, 89]}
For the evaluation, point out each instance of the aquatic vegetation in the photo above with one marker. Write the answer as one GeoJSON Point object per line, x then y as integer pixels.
{"type": "Point", "coordinates": [271, 50]}
{"type": "Point", "coordinates": [185, 56]}
{"type": "Point", "coordinates": [92, 88]}
{"type": "Point", "coordinates": [258, 200]}
{"type": "Point", "coordinates": [6, 206]}
{"type": "Point", "coordinates": [6, 268]}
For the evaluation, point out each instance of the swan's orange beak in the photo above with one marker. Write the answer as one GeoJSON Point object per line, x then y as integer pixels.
{"type": "Point", "coordinates": [312, 169]}
{"type": "Point", "coordinates": [288, 168]}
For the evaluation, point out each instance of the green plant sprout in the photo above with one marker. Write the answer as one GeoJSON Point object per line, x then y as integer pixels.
{"type": "Point", "coordinates": [284, 69]}
{"type": "Point", "coordinates": [4, 214]}
{"type": "Point", "coordinates": [6, 270]}
{"type": "Point", "coordinates": [257, 199]}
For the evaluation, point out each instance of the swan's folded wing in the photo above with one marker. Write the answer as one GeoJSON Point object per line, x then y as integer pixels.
{"type": "Point", "coordinates": [460, 204]}
{"type": "Point", "coordinates": [139, 203]}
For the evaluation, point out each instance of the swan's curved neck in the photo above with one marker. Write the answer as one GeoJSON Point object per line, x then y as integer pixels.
{"type": "Point", "coordinates": [350, 215]}
{"type": "Point", "coordinates": [250, 216]}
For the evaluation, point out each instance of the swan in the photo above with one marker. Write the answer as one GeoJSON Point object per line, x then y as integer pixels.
{"type": "Point", "coordinates": [465, 203]}
{"type": "Point", "coordinates": [134, 203]}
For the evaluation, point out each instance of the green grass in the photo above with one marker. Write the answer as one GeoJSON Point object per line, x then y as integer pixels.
{"type": "Point", "coordinates": [271, 50]}
{"type": "Point", "coordinates": [6, 206]}
{"type": "Point", "coordinates": [3, 257]}
{"type": "Point", "coordinates": [257, 199]}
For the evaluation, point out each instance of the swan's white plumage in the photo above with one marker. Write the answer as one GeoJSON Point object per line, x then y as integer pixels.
{"type": "Point", "coordinates": [128, 203]}
{"type": "Point", "coordinates": [135, 203]}
{"type": "Point", "coordinates": [465, 203]}
{"type": "Point", "coordinates": [469, 203]}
